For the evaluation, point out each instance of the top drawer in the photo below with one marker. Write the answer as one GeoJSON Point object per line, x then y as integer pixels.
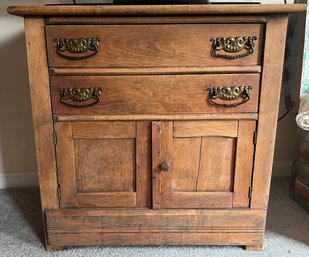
{"type": "Point", "coordinates": [167, 45]}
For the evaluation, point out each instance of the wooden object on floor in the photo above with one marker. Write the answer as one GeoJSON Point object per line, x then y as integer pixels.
{"type": "Point", "coordinates": [299, 184]}
{"type": "Point", "coordinates": [155, 124]}
{"type": "Point", "coordinates": [302, 190]}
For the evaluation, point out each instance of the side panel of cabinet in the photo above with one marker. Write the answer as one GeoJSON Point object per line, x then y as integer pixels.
{"type": "Point", "coordinates": [103, 164]}
{"type": "Point", "coordinates": [202, 164]}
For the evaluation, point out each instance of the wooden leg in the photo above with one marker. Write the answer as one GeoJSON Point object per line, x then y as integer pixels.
{"type": "Point", "coordinates": [53, 248]}
{"type": "Point", "coordinates": [258, 247]}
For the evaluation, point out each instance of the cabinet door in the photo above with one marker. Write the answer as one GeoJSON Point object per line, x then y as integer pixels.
{"type": "Point", "coordinates": [202, 164]}
{"type": "Point", "coordinates": [103, 164]}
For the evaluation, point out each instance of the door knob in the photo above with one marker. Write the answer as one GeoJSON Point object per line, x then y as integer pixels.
{"type": "Point", "coordinates": [165, 166]}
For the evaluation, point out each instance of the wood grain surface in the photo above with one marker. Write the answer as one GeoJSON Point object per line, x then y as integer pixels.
{"type": "Point", "coordinates": [116, 220]}
{"type": "Point", "coordinates": [208, 169]}
{"type": "Point", "coordinates": [41, 112]}
{"type": "Point", "coordinates": [167, 45]}
{"type": "Point", "coordinates": [97, 164]}
{"type": "Point", "coordinates": [161, 94]}
{"type": "Point", "coordinates": [269, 108]}
{"type": "Point", "coordinates": [144, 10]}
{"type": "Point", "coordinates": [253, 239]}
{"type": "Point", "coordinates": [150, 117]}
{"type": "Point", "coordinates": [158, 19]}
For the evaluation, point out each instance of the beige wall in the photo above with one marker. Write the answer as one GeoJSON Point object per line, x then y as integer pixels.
{"type": "Point", "coordinates": [16, 134]}
{"type": "Point", "coordinates": [17, 154]}
{"type": "Point", "coordinates": [285, 140]}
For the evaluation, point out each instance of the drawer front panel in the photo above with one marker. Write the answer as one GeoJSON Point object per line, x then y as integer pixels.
{"type": "Point", "coordinates": [183, 45]}
{"type": "Point", "coordinates": [164, 94]}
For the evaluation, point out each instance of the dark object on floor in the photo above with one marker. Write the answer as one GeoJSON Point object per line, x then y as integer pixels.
{"type": "Point", "coordinates": [299, 188]}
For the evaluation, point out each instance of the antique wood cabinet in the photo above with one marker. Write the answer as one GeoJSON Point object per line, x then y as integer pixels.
{"type": "Point", "coordinates": [155, 124]}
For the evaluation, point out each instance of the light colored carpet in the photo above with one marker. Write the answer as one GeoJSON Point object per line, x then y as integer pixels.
{"type": "Point", "coordinates": [21, 231]}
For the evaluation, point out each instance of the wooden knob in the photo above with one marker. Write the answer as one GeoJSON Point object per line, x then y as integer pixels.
{"type": "Point", "coordinates": [165, 166]}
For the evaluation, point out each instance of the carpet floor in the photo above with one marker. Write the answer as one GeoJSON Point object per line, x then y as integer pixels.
{"type": "Point", "coordinates": [21, 231]}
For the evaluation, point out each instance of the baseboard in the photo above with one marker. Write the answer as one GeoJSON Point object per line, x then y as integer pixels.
{"type": "Point", "coordinates": [282, 169]}
{"type": "Point", "coordinates": [18, 179]}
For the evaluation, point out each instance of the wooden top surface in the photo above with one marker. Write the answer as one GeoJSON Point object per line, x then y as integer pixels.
{"type": "Point", "coordinates": [109, 10]}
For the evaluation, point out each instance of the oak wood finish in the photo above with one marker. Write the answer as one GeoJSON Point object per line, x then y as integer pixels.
{"type": "Point", "coordinates": [41, 111]}
{"type": "Point", "coordinates": [100, 20]}
{"type": "Point", "coordinates": [256, 247]}
{"type": "Point", "coordinates": [41, 114]}
{"type": "Point", "coordinates": [143, 164]}
{"type": "Point", "coordinates": [104, 129]}
{"type": "Point", "coordinates": [155, 162]}
{"type": "Point", "coordinates": [155, 71]}
{"type": "Point", "coordinates": [213, 116]}
{"type": "Point", "coordinates": [194, 181]}
{"type": "Point", "coordinates": [161, 94]}
{"type": "Point", "coordinates": [205, 128]}
{"type": "Point", "coordinates": [243, 165]}
{"type": "Point", "coordinates": [167, 45]}
{"type": "Point", "coordinates": [97, 164]}
{"type": "Point", "coordinates": [117, 220]}
{"type": "Point", "coordinates": [269, 107]}
{"type": "Point", "coordinates": [166, 238]}
{"type": "Point", "coordinates": [116, 177]}
{"type": "Point", "coordinates": [144, 10]}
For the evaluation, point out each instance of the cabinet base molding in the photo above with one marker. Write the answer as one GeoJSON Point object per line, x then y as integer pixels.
{"type": "Point", "coordinates": [156, 238]}
{"type": "Point", "coordinates": [145, 220]}
{"type": "Point", "coordinates": [148, 227]}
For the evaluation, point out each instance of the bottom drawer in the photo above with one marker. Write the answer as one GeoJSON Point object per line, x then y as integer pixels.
{"type": "Point", "coordinates": [160, 94]}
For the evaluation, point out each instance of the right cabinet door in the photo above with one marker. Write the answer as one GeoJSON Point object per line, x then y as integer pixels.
{"type": "Point", "coordinates": [202, 164]}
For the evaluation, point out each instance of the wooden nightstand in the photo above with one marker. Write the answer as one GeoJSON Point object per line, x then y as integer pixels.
{"type": "Point", "coordinates": [155, 125]}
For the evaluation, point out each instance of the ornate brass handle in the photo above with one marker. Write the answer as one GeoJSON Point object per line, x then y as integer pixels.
{"type": "Point", "coordinates": [233, 45]}
{"type": "Point", "coordinates": [70, 96]}
{"type": "Point", "coordinates": [165, 166]}
{"type": "Point", "coordinates": [77, 46]}
{"type": "Point", "coordinates": [229, 94]}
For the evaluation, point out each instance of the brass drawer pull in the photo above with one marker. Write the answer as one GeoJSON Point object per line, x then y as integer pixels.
{"type": "Point", "coordinates": [233, 45]}
{"type": "Point", "coordinates": [77, 46]}
{"type": "Point", "coordinates": [229, 94]}
{"type": "Point", "coordinates": [70, 96]}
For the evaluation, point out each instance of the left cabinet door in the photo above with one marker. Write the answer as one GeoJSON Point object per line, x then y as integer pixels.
{"type": "Point", "coordinates": [103, 164]}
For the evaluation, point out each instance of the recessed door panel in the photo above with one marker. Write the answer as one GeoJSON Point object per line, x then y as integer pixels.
{"type": "Point", "coordinates": [97, 164]}
{"type": "Point", "coordinates": [105, 165]}
{"type": "Point", "coordinates": [202, 164]}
